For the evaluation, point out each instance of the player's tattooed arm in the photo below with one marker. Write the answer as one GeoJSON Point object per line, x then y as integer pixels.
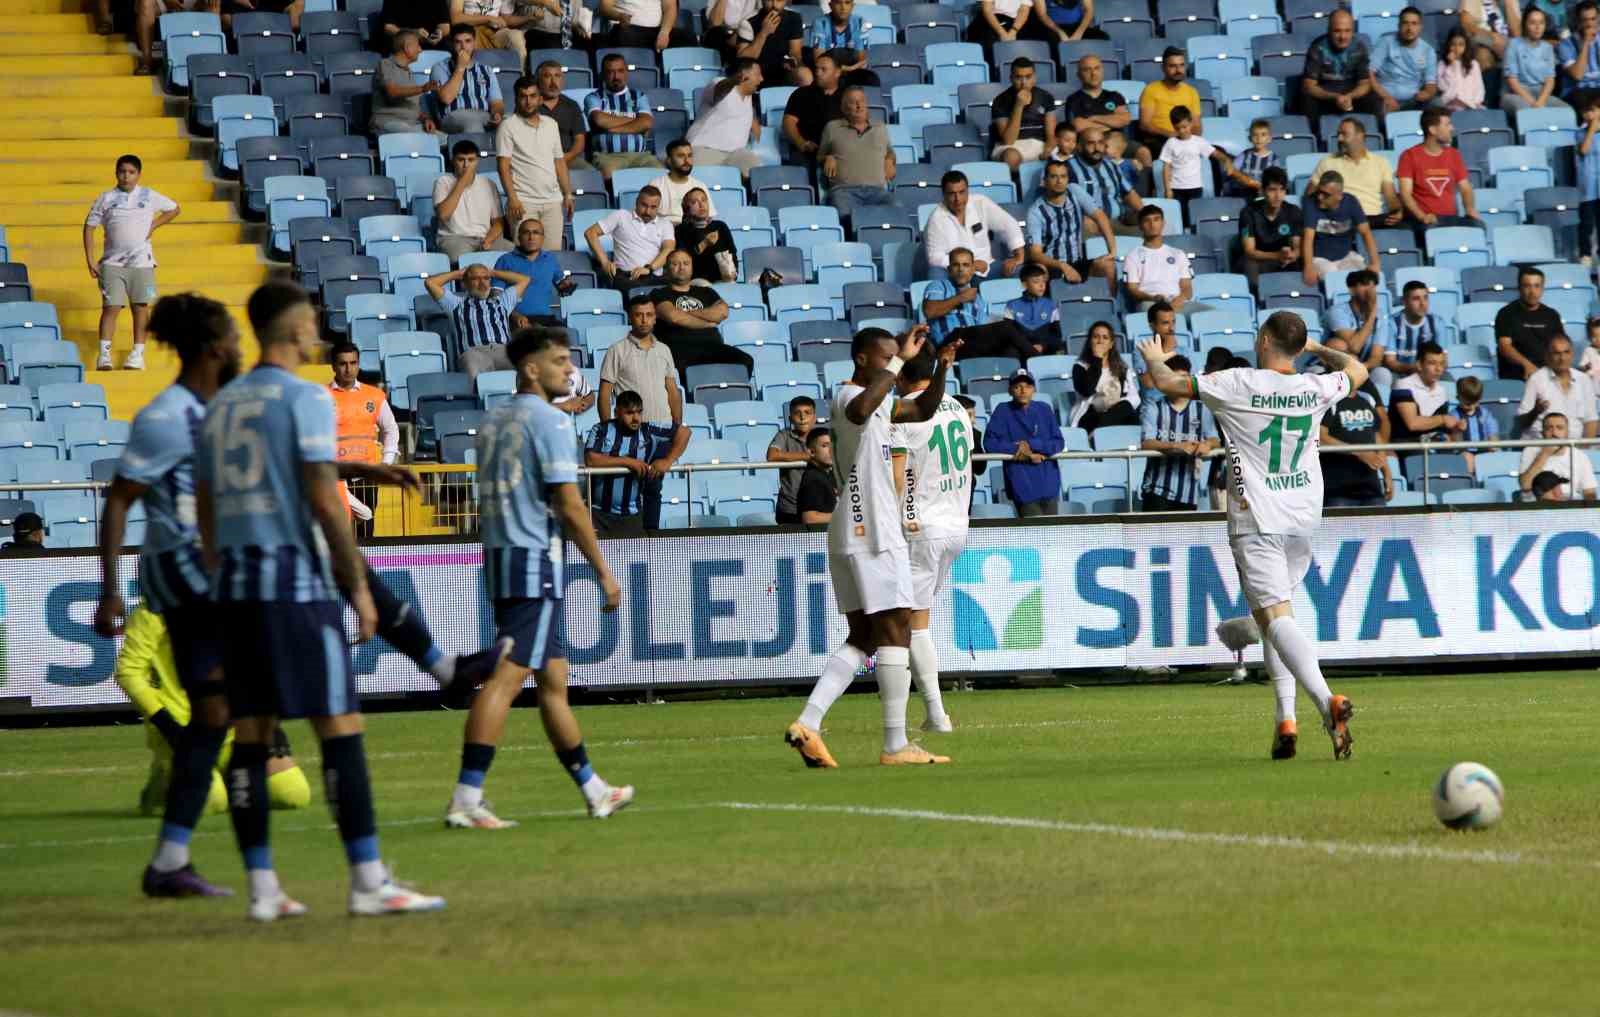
{"type": "Point", "coordinates": [1167, 381]}
{"type": "Point", "coordinates": [349, 568]}
{"type": "Point", "coordinates": [1337, 360]}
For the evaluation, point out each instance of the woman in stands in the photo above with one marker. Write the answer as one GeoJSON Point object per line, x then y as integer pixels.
{"type": "Point", "coordinates": [1108, 393]}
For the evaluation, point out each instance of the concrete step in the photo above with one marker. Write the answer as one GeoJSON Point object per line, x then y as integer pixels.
{"type": "Point", "coordinates": [204, 254]}
{"type": "Point", "coordinates": [82, 195]}
{"type": "Point", "coordinates": [44, 6]}
{"type": "Point", "coordinates": [71, 214]}
{"type": "Point", "coordinates": [108, 124]}
{"type": "Point", "coordinates": [182, 237]}
{"type": "Point", "coordinates": [103, 150]}
{"type": "Point", "coordinates": [158, 173]}
{"type": "Point", "coordinates": [63, 24]}
{"type": "Point", "coordinates": [86, 299]}
{"type": "Point", "coordinates": [31, 43]}
{"type": "Point", "coordinates": [80, 87]}
{"type": "Point", "coordinates": [170, 278]}
{"type": "Point", "coordinates": [106, 66]}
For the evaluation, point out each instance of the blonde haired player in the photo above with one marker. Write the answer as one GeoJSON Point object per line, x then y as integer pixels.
{"type": "Point", "coordinates": [867, 557]}
{"type": "Point", "coordinates": [1271, 416]}
{"type": "Point", "coordinates": [933, 466]}
{"type": "Point", "coordinates": [148, 675]}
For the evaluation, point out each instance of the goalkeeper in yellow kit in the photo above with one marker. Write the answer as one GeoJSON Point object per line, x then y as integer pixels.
{"type": "Point", "coordinates": [148, 674]}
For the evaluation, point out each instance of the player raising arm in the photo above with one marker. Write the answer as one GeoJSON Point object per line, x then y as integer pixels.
{"type": "Point", "coordinates": [867, 555]}
{"type": "Point", "coordinates": [1271, 416]}
{"type": "Point", "coordinates": [527, 484]}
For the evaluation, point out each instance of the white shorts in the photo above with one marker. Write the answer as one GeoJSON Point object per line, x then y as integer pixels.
{"type": "Point", "coordinates": [930, 564]}
{"type": "Point", "coordinates": [1270, 565]}
{"type": "Point", "coordinates": [1031, 149]}
{"type": "Point", "coordinates": [871, 582]}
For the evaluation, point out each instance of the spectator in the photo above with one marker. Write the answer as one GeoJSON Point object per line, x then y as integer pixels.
{"type": "Point", "coordinates": [467, 207]}
{"type": "Point", "coordinates": [1153, 271]}
{"type": "Point", "coordinates": [533, 166]}
{"type": "Point", "coordinates": [964, 220]}
{"type": "Point", "coordinates": [548, 24]}
{"type": "Point", "coordinates": [1066, 145]}
{"type": "Point", "coordinates": [130, 213]}
{"type": "Point", "coordinates": [1529, 77]}
{"type": "Point", "coordinates": [790, 446]}
{"type": "Point", "coordinates": [1056, 232]}
{"type": "Point", "coordinates": [364, 422]}
{"type": "Point", "coordinates": [857, 159]}
{"type": "Point", "coordinates": [1159, 97]}
{"type": "Point", "coordinates": [429, 19]}
{"type": "Point", "coordinates": [979, 466]}
{"type": "Point", "coordinates": [1093, 105]}
{"type": "Point", "coordinates": [707, 241]}
{"type": "Point", "coordinates": [1477, 423]}
{"type": "Point", "coordinates": [1027, 431]}
{"type": "Point", "coordinates": [1410, 327]}
{"type": "Point", "coordinates": [1163, 321]}
{"type": "Point", "coordinates": [776, 39]}
{"type": "Point", "coordinates": [1523, 328]}
{"type": "Point", "coordinates": [1184, 166]}
{"type": "Point", "coordinates": [1548, 486]}
{"type": "Point", "coordinates": [1579, 55]}
{"type": "Point", "coordinates": [482, 315]}
{"type": "Point", "coordinates": [819, 493]}
{"type": "Point", "coordinates": [842, 34]}
{"type": "Point", "coordinates": [571, 124]}
{"type": "Point", "coordinates": [1182, 430]}
{"type": "Point", "coordinates": [146, 14]}
{"type": "Point", "coordinates": [1108, 393]}
{"type": "Point", "coordinates": [1366, 331]}
{"type": "Point", "coordinates": [687, 316]}
{"type": "Point", "coordinates": [1103, 180]}
{"type": "Point", "coordinates": [1255, 161]}
{"type": "Point", "coordinates": [1009, 20]}
{"type": "Point", "coordinates": [1034, 312]}
{"type": "Point", "coordinates": [643, 365]}
{"type": "Point", "coordinates": [619, 120]}
{"type": "Point", "coordinates": [1338, 75]}
{"type": "Point", "coordinates": [1356, 479]}
{"type": "Point", "coordinates": [1219, 359]}
{"type": "Point", "coordinates": [1023, 118]}
{"type": "Point", "coordinates": [27, 537]}
{"type": "Point", "coordinates": [493, 25]}
{"type": "Point", "coordinates": [644, 24]}
{"type": "Point", "coordinates": [1589, 181]}
{"type": "Point", "coordinates": [469, 92]}
{"type": "Point", "coordinates": [728, 26]}
{"type": "Point", "coordinates": [640, 241]}
{"type": "Point", "coordinates": [1557, 388]}
{"type": "Point", "coordinates": [1571, 465]}
{"type": "Point", "coordinates": [1590, 362]}
{"type": "Point", "coordinates": [1488, 28]}
{"type": "Point", "coordinates": [1419, 405]}
{"type": "Point", "coordinates": [1073, 19]}
{"type": "Point", "coordinates": [1270, 228]}
{"type": "Point", "coordinates": [646, 451]}
{"type": "Point", "coordinates": [679, 180]}
{"type": "Point", "coordinates": [396, 97]}
{"type": "Point", "coordinates": [812, 107]}
{"type": "Point", "coordinates": [1432, 174]}
{"type": "Point", "coordinates": [545, 277]}
{"type": "Point", "coordinates": [954, 309]}
{"type": "Point", "coordinates": [727, 128]}
{"type": "Point", "coordinates": [1368, 178]}
{"type": "Point", "coordinates": [1405, 69]}
{"type": "Point", "coordinates": [1328, 241]}
{"type": "Point", "coordinates": [1116, 146]}
{"type": "Point", "coordinates": [1460, 80]}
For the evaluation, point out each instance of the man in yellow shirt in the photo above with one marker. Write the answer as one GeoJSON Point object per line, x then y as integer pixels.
{"type": "Point", "coordinates": [1159, 97]}
{"type": "Point", "coordinates": [1367, 177]}
{"type": "Point", "coordinates": [148, 674]}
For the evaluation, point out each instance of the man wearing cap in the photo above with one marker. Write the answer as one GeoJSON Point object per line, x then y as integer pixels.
{"type": "Point", "coordinates": [28, 529]}
{"type": "Point", "coordinates": [1028, 432]}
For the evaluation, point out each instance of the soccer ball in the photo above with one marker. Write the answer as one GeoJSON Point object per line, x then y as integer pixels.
{"type": "Point", "coordinates": [1468, 796]}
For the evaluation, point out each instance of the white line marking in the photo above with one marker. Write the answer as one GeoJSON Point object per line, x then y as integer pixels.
{"type": "Point", "coordinates": [1155, 833]}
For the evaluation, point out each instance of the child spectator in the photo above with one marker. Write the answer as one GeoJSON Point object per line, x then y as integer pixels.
{"type": "Point", "coordinates": [1477, 423]}
{"type": "Point", "coordinates": [818, 494]}
{"type": "Point", "coordinates": [1116, 149]}
{"type": "Point", "coordinates": [1185, 155]}
{"type": "Point", "coordinates": [1460, 80]}
{"type": "Point", "coordinates": [1035, 313]}
{"type": "Point", "coordinates": [1028, 432]}
{"type": "Point", "coordinates": [627, 441]}
{"type": "Point", "coordinates": [1589, 363]}
{"type": "Point", "coordinates": [1182, 430]}
{"type": "Point", "coordinates": [1589, 182]}
{"type": "Point", "coordinates": [1066, 144]}
{"type": "Point", "coordinates": [789, 446]}
{"type": "Point", "coordinates": [1254, 162]}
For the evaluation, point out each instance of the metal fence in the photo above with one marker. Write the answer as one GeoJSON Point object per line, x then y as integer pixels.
{"type": "Point", "coordinates": [448, 506]}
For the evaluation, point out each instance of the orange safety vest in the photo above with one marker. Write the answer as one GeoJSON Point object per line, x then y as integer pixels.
{"type": "Point", "coordinates": [356, 422]}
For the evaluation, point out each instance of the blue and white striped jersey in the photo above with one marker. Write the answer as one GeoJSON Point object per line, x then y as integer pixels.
{"type": "Point", "coordinates": [479, 87]}
{"type": "Point", "coordinates": [160, 456]}
{"type": "Point", "coordinates": [525, 448]}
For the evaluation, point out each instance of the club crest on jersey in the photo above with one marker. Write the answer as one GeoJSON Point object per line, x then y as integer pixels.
{"type": "Point", "coordinates": [1172, 259]}
{"type": "Point", "coordinates": [372, 407]}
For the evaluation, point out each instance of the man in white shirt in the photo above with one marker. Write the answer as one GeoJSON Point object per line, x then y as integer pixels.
{"type": "Point", "coordinates": [678, 180]}
{"type": "Point", "coordinates": [640, 241]}
{"type": "Point", "coordinates": [1154, 271]}
{"type": "Point", "coordinates": [1571, 465]}
{"type": "Point", "coordinates": [467, 207]}
{"type": "Point", "coordinates": [727, 128]}
{"type": "Point", "coordinates": [646, 24]}
{"type": "Point", "coordinates": [126, 270]}
{"type": "Point", "coordinates": [533, 167]}
{"type": "Point", "coordinates": [964, 220]}
{"type": "Point", "coordinates": [1559, 390]}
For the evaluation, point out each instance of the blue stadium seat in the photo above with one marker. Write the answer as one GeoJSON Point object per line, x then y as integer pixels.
{"type": "Point", "coordinates": [745, 301]}
{"type": "Point", "coordinates": [582, 308]}
{"type": "Point", "coordinates": [1444, 288]}
{"type": "Point", "coordinates": [757, 338]}
{"type": "Point", "coordinates": [237, 117]}
{"type": "Point", "coordinates": [1089, 480]}
{"type": "Point", "coordinates": [66, 403]}
{"type": "Point", "coordinates": [328, 32]}
{"type": "Point", "coordinates": [789, 262]}
{"type": "Point", "coordinates": [1516, 245]}
{"type": "Point", "coordinates": [28, 319]}
{"type": "Point", "coordinates": [1518, 168]}
{"type": "Point", "coordinates": [406, 272]}
{"type": "Point", "coordinates": [751, 226]}
{"type": "Point", "coordinates": [383, 236]}
{"type": "Point", "coordinates": [282, 75]}
{"type": "Point", "coordinates": [371, 315]}
{"type": "Point", "coordinates": [956, 63]}
{"type": "Point", "coordinates": [806, 226]}
{"type": "Point", "coordinates": [405, 154]}
{"type": "Point", "coordinates": [1219, 58]}
{"type": "Point", "coordinates": [28, 441]}
{"type": "Point", "coordinates": [1458, 247]}
{"type": "Point", "coordinates": [787, 380]}
{"type": "Point", "coordinates": [734, 494]}
{"type": "Point", "coordinates": [184, 35]}
{"type": "Point", "coordinates": [802, 302]}
{"type": "Point", "coordinates": [1225, 292]}
{"type": "Point", "coordinates": [433, 394]}
{"type": "Point", "coordinates": [923, 104]}
{"type": "Point", "coordinates": [211, 75]}
{"type": "Point", "coordinates": [400, 355]}
{"type": "Point", "coordinates": [289, 198]}
{"type": "Point", "coordinates": [1250, 98]}
{"type": "Point", "coordinates": [924, 24]}
{"type": "Point", "coordinates": [37, 362]}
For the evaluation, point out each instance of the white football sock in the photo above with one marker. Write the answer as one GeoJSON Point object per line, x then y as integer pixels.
{"type": "Point", "coordinates": [837, 675]}
{"type": "Point", "coordinates": [444, 669]}
{"type": "Point", "coordinates": [263, 883]}
{"type": "Point", "coordinates": [1282, 682]}
{"type": "Point", "coordinates": [368, 876]}
{"type": "Point", "coordinates": [1301, 657]}
{"type": "Point", "coordinates": [925, 671]}
{"type": "Point", "coordinates": [170, 856]}
{"type": "Point", "coordinates": [894, 688]}
{"type": "Point", "coordinates": [466, 797]}
{"type": "Point", "coordinates": [594, 789]}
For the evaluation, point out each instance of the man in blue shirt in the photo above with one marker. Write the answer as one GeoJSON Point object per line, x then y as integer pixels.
{"type": "Point", "coordinates": [1182, 430]}
{"type": "Point", "coordinates": [1028, 432]}
{"type": "Point", "coordinates": [619, 121]}
{"type": "Point", "coordinates": [1035, 313]}
{"type": "Point", "coordinates": [644, 450]}
{"type": "Point", "coordinates": [954, 309]}
{"type": "Point", "coordinates": [529, 501]}
{"type": "Point", "coordinates": [481, 314]}
{"type": "Point", "coordinates": [1368, 332]}
{"type": "Point", "coordinates": [1404, 67]}
{"type": "Point", "coordinates": [271, 515]}
{"type": "Point", "coordinates": [1056, 230]}
{"type": "Point", "coordinates": [468, 98]}
{"type": "Point", "coordinates": [1579, 55]}
{"type": "Point", "coordinates": [546, 278]}
{"type": "Point", "coordinates": [1332, 225]}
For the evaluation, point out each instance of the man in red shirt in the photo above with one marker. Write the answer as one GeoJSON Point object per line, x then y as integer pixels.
{"type": "Point", "coordinates": [1430, 175]}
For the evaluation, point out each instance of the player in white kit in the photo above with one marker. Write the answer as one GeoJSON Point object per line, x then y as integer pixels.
{"type": "Point", "coordinates": [867, 556]}
{"type": "Point", "coordinates": [1271, 416]}
{"type": "Point", "coordinates": [934, 460]}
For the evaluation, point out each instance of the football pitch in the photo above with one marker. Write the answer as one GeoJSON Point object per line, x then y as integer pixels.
{"type": "Point", "coordinates": [1112, 850]}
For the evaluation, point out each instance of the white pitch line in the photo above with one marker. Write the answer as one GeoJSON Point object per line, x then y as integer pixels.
{"type": "Point", "coordinates": [1168, 835]}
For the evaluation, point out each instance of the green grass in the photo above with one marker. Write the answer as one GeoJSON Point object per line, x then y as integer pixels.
{"type": "Point", "coordinates": [682, 906]}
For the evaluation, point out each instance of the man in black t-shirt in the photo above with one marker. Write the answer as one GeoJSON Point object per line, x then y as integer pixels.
{"type": "Point", "coordinates": [810, 108]}
{"type": "Point", "coordinates": [1269, 228]}
{"type": "Point", "coordinates": [776, 36]}
{"type": "Point", "coordinates": [1359, 479]}
{"type": "Point", "coordinates": [1022, 118]}
{"type": "Point", "coordinates": [815, 500]}
{"type": "Point", "coordinates": [687, 317]}
{"type": "Point", "coordinates": [1523, 328]}
{"type": "Point", "coordinates": [1093, 106]}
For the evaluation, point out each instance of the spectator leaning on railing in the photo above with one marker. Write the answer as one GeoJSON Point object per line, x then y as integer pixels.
{"type": "Point", "coordinates": [1419, 405]}
{"type": "Point", "coordinates": [27, 537]}
{"type": "Point", "coordinates": [789, 446]}
{"type": "Point", "coordinates": [818, 494]}
{"type": "Point", "coordinates": [1570, 464]}
{"type": "Point", "coordinates": [645, 450]}
{"type": "Point", "coordinates": [1356, 479]}
{"type": "Point", "coordinates": [1028, 432]}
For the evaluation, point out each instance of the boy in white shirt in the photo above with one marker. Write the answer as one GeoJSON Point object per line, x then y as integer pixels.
{"type": "Point", "coordinates": [1184, 156]}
